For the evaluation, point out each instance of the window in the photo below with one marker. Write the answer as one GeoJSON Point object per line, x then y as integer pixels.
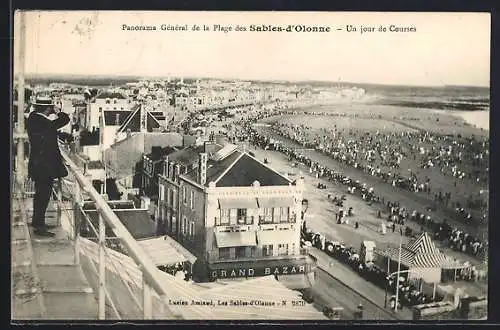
{"type": "Point", "coordinates": [184, 195]}
{"type": "Point", "coordinates": [192, 199]}
{"type": "Point", "coordinates": [162, 192]}
{"type": "Point", "coordinates": [224, 253]}
{"type": "Point", "coordinates": [249, 220]}
{"type": "Point", "coordinates": [241, 252]}
{"type": "Point", "coordinates": [174, 200]}
{"type": "Point", "coordinates": [232, 216]}
{"type": "Point", "coordinates": [224, 216]}
{"type": "Point", "coordinates": [276, 214]}
{"type": "Point", "coordinates": [170, 196]}
{"type": "Point", "coordinates": [100, 108]}
{"type": "Point", "coordinates": [241, 216]}
{"type": "Point", "coordinates": [107, 101]}
{"type": "Point", "coordinates": [283, 249]}
{"type": "Point", "coordinates": [267, 250]}
{"type": "Point", "coordinates": [184, 225]}
{"type": "Point", "coordinates": [284, 212]}
{"type": "Point", "coordinates": [114, 101]}
{"type": "Point", "coordinates": [191, 229]}
{"type": "Point", "coordinates": [268, 215]}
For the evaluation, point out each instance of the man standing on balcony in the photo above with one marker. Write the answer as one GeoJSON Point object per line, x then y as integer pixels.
{"type": "Point", "coordinates": [45, 161]}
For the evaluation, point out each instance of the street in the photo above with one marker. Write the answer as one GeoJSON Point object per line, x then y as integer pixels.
{"type": "Point", "coordinates": [330, 292]}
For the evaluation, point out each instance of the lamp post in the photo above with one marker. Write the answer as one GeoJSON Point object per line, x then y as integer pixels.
{"type": "Point", "coordinates": [397, 280]}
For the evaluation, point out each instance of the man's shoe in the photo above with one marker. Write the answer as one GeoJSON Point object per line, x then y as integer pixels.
{"type": "Point", "coordinates": [43, 232]}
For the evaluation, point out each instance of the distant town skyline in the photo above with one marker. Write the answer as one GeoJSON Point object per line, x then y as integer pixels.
{"type": "Point", "coordinates": [446, 49]}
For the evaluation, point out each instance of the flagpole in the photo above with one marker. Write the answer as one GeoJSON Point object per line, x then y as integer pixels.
{"type": "Point", "coordinates": [20, 129]}
{"type": "Point", "coordinates": [399, 270]}
{"type": "Point", "coordinates": [101, 145]}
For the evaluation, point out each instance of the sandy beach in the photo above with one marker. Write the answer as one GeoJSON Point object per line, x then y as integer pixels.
{"type": "Point", "coordinates": [480, 119]}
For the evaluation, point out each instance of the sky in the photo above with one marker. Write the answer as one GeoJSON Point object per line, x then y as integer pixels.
{"type": "Point", "coordinates": [445, 49]}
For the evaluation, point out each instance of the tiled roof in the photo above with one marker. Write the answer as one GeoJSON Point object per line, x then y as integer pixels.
{"type": "Point", "coordinates": [164, 151]}
{"type": "Point", "coordinates": [239, 170]}
{"type": "Point", "coordinates": [137, 222]}
{"type": "Point", "coordinates": [110, 117]}
{"type": "Point", "coordinates": [186, 156]}
{"type": "Point", "coordinates": [245, 170]}
{"type": "Point", "coordinates": [268, 290]}
{"type": "Point", "coordinates": [133, 122]}
{"type": "Point", "coordinates": [215, 169]}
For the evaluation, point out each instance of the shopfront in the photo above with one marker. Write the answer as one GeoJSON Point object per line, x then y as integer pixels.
{"type": "Point", "coordinates": [236, 269]}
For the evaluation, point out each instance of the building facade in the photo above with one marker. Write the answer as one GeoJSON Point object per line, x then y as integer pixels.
{"type": "Point", "coordinates": [237, 215]}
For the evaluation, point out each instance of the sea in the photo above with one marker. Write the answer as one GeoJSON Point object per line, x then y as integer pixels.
{"type": "Point", "coordinates": [470, 103]}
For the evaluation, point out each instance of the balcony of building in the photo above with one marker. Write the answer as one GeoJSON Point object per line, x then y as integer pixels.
{"type": "Point", "coordinates": [253, 254]}
{"type": "Point", "coordinates": [255, 223]}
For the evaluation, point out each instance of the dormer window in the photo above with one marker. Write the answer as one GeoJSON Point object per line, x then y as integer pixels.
{"type": "Point", "coordinates": [115, 101]}
{"type": "Point", "coordinates": [107, 101]}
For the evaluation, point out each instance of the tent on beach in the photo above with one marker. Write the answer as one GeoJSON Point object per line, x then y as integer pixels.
{"type": "Point", "coordinates": [420, 258]}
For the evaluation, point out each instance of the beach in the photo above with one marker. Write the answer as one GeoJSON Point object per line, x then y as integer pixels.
{"type": "Point", "coordinates": [480, 119]}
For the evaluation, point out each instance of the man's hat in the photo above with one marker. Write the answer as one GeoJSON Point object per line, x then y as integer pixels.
{"type": "Point", "coordinates": [43, 101]}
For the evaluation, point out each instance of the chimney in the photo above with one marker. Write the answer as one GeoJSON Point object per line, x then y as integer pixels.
{"type": "Point", "coordinates": [165, 166]}
{"type": "Point", "coordinates": [170, 170]}
{"type": "Point", "coordinates": [202, 168]}
{"type": "Point", "coordinates": [143, 119]}
{"type": "Point", "coordinates": [156, 150]}
{"type": "Point", "coordinates": [177, 172]}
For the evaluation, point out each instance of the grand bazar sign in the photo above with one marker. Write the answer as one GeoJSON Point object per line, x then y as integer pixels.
{"type": "Point", "coordinates": [260, 271]}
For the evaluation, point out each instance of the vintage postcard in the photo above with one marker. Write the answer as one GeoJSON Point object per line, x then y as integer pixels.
{"type": "Point", "coordinates": [250, 166]}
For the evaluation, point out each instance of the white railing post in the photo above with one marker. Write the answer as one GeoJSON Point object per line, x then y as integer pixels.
{"type": "Point", "coordinates": [76, 223]}
{"type": "Point", "coordinates": [102, 268]}
{"type": "Point", "coordinates": [146, 298]}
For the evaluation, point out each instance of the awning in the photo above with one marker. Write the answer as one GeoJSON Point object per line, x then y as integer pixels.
{"type": "Point", "coordinates": [267, 237]}
{"type": "Point", "coordinates": [407, 256]}
{"type": "Point", "coordinates": [165, 251]}
{"type": "Point", "coordinates": [245, 238]}
{"type": "Point", "coordinates": [270, 202]}
{"type": "Point", "coordinates": [238, 203]}
{"type": "Point", "coordinates": [437, 260]}
{"type": "Point", "coordinates": [296, 281]}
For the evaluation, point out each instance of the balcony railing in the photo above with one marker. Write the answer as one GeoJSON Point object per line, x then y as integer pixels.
{"type": "Point", "coordinates": [133, 274]}
{"type": "Point", "coordinates": [214, 257]}
{"type": "Point", "coordinates": [251, 220]}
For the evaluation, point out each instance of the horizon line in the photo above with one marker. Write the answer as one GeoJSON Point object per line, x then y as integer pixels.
{"type": "Point", "coordinates": [111, 76]}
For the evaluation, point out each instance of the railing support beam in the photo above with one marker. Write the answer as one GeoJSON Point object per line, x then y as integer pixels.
{"type": "Point", "coordinates": [102, 270]}
{"type": "Point", "coordinates": [146, 299]}
{"type": "Point", "coordinates": [76, 223]}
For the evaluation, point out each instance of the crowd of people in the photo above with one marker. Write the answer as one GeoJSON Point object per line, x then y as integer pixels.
{"type": "Point", "coordinates": [408, 292]}
{"type": "Point", "coordinates": [453, 237]}
{"type": "Point", "coordinates": [385, 154]}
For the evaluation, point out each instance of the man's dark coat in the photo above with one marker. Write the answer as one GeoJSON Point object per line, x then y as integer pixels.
{"type": "Point", "coordinates": [45, 160]}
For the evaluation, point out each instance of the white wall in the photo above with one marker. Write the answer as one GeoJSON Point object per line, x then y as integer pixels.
{"type": "Point", "coordinates": [93, 152]}
{"type": "Point", "coordinates": [97, 174]}
{"type": "Point", "coordinates": [109, 135]}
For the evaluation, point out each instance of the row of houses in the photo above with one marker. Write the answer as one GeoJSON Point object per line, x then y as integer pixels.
{"type": "Point", "coordinates": [239, 217]}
